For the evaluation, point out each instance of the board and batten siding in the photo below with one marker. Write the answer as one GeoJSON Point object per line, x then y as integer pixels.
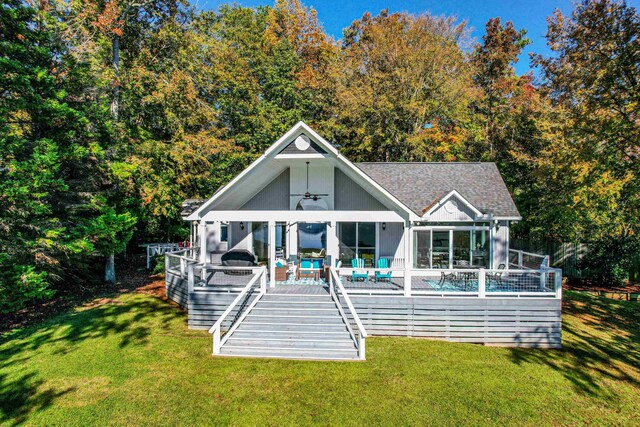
{"type": "Point", "coordinates": [272, 197]}
{"type": "Point", "coordinates": [508, 322]}
{"type": "Point", "coordinates": [349, 196]}
{"type": "Point", "coordinates": [500, 238]}
{"type": "Point", "coordinates": [239, 238]}
{"type": "Point", "coordinates": [391, 243]}
{"type": "Point", "coordinates": [460, 213]}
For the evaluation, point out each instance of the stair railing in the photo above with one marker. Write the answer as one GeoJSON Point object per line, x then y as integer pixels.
{"type": "Point", "coordinates": [257, 281]}
{"type": "Point", "coordinates": [335, 287]}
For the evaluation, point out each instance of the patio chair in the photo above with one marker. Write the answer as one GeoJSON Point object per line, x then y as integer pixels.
{"type": "Point", "coordinates": [358, 264]}
{"type": "Point", "coordinates": [383, 275]}
{"type": "Point", "coordinates": [496, 277]}
{"type": "Point", "coordinates": [305, 269]}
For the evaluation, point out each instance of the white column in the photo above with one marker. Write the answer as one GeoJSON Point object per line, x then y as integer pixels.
{"type": "Point", "coordinates": [202, 237]}
{"type": "Point", "coordinates": [272, 254]}
{"type": "Point", "coordinates": [408, 258]}
{"type": "Point", "coordinates": [333, 245]}
{"type": "Point", "coordinates": [293, 240]}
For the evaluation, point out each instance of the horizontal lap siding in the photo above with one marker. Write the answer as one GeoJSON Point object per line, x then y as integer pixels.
{"type": "Point", "coordinates": [205, 307]}
{"type": "Point", "coordinates": [176, 289]}
{"type": "Point", "coordinates": [501, 322]}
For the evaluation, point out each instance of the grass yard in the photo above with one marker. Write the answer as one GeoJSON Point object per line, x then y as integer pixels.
{"type": "Point", "coordinates": [131, 360]}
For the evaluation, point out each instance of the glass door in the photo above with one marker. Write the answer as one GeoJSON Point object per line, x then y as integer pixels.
{"type": "Point", "coordinates": [422, 249]}
{"type": "Point", "coordinates": [260, 233]}
{"type": "Point", "coordinates": [441, 251]}
{"type": "Point", "coordinates": [461, 248]}
{"type": "Point", "coordinates": [312, 240]}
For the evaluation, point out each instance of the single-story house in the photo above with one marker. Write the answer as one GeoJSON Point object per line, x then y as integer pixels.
{"type": "Point", "coordinates": [305, 253]}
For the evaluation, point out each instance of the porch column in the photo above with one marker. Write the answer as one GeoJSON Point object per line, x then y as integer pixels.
{"type": "Point", "coordinates": [202, 237]}
{"type": "Point", "coordinates": [272, 254]}
{"type": "Point", "coordinates": [333, 243]}
{"type": "Point", "coordinates": [408, 258]}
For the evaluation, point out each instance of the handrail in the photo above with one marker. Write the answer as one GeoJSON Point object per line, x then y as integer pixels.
{"type": "Point", "coordinates": [215, 329]}
{"type": "Point", "coordinates": [362, 333]}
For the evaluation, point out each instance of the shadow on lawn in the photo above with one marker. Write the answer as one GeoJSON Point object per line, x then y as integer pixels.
{"type": "Point", "coordinates": [603, 343]}
{"type": "Point", "coordinates": [131, 321]}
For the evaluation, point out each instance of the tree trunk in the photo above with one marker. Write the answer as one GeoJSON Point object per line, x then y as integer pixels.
{"type": "Point", "coordinates": [115, 61]}
{"type": "Point", "coordinates": [110, 269]}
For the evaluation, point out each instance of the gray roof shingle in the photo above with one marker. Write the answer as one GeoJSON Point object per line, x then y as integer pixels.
{"type": "Point", "coordinates": [420, 185]}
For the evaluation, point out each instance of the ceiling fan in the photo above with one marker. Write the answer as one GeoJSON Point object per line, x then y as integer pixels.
{"type": "Point", "coordinates": [307, 195]}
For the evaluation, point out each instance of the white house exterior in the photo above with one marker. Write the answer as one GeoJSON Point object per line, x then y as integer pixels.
{"type": "Point", "coordinates": [441, 228]}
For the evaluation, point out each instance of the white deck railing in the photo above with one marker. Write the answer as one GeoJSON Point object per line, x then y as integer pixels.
{"type": "Point", "coordinates": [177, 261]}
{"type": "Point", "coordinates": [258, 281]}
{"type": "Point", "coordinates": [527, 260]}
{"type": "Point", "coordinates": [335, 288]}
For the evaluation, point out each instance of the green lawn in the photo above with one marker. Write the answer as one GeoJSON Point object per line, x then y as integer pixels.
{"type": "Point", "coordinates": [132, 360]}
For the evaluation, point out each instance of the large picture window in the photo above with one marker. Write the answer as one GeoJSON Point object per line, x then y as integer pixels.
{"type": "Point", "coordinates": [357, 240]}
{"type": "Point", "coordinates": [464, 247]}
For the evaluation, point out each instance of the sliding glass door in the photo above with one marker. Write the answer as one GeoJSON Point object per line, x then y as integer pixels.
{"type": "Point", "coordinates": [441, 251]}
{"type": "Point", "coordinates": [455, 247]}
{"type": "Point", "coordinates": [357, 240]}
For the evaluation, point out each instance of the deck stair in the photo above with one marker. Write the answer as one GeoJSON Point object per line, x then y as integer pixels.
{"type": "Point", "coordinates": [292, 326]}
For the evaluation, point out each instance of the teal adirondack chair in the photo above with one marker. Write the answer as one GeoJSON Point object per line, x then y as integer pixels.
{"type": "Point", "coordinates": [383, 275]}
{"type": "Point", "coordinates": [358, 263]}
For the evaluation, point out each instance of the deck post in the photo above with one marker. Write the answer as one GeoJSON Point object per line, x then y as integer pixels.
{"type": "Point", "coordinates": [482, 283]}
{"type": "Point", "coordinates": [557, 277]}
{"type": "Point", "coordinates": [202, 235]}
{"type": "Point", "coordinates": [272, 254]}
{"type": "Point", "coordinates": [408, 258]}
{"type": "Point", "coordinates": [190, 278]}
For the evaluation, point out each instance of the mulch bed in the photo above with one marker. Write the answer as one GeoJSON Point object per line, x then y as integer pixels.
{"type": "Point", "coordinates": [132, 276]}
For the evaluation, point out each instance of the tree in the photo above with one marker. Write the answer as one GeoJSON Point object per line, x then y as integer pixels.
{"type": "Point", "coordinates": [517, 120]}
{"type": "Point", "coordinates": [594, 77]}
{"type": "Point", "coordinates": [51, 162]}
{"type": "Point", "coordinates": [494, 75]}
{"type": "Point", "coordinates": [401, 75]}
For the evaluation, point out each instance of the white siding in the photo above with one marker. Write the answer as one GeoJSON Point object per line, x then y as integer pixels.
{"type": "Point", "coordinates": [391, 240]}
{"type": "Point", "coordinates": [461, 213]}
{"type": "Point", "coordinates": [274, 196]}
{"type": "Point", "coordinates": [349, 196]}
{"type": "Point", "coordinates": [500, 244]}
{"type": "Point", "coordinates": [238, 238]}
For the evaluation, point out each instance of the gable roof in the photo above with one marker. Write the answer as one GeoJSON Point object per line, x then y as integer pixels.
{"type": "Point", "coordinates": [318, 145]}
{"type": "Point", "coordinates": [421, 185]}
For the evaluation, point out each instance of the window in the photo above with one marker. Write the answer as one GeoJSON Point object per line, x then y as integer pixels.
{"type": "Point", "coordinates": [312, 240]}
{"type": "Point", "coordinates": [224, 232]}
{"type": "Point", "coordinates": [357, 240]}
{"type": "Point", "coordinates": [463, 247]}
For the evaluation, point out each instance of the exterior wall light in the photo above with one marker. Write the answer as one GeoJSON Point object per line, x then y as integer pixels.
{"type": "Point", "coordinates": [241, 225]}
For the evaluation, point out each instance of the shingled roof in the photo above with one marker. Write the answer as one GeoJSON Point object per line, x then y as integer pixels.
{"type": "Point", "coordinates": [189, 206]}
{"type": "Point", "coordinates": [420, 185]}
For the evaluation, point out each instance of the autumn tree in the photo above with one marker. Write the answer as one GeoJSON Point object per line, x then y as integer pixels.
{"type": "Point", "coordinates": [594, 78]}
{"type": "Point", "coordinates": [404, 88]}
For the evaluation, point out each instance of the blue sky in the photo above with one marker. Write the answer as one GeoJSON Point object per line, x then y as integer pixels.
{"type": "Point", "coordinates": [530, 15]}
